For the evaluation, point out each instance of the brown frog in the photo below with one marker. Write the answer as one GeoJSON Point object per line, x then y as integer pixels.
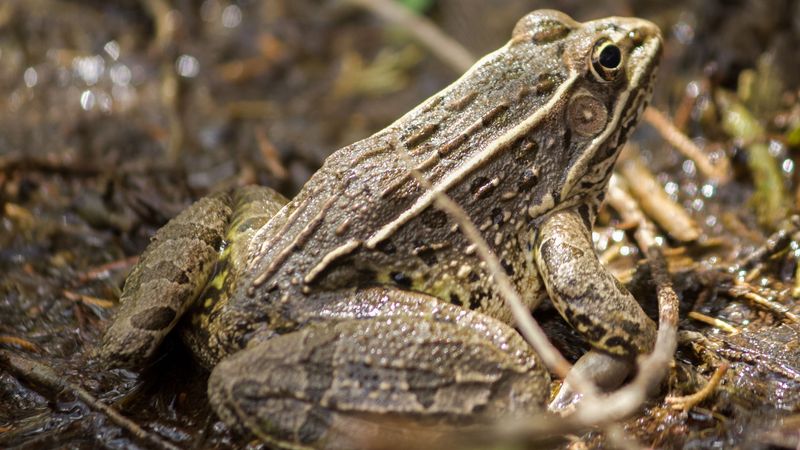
{"type": "Point", "coordinates": [359, 301]}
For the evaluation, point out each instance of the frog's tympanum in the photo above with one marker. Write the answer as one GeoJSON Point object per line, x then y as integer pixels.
{"type": "Point", "coordinates": [359, 301]}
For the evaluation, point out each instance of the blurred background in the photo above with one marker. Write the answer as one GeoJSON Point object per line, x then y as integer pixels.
{"type": "Point", "coordinates": [115, 115]}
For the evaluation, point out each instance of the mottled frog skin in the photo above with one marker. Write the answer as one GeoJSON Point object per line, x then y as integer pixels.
{"type": "Point", "coordinates": [359, 302]}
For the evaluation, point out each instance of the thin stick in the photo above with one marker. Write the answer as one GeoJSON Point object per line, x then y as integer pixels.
{"type": "Point", "coordinates": [423, 30]}
{"type": "Point", "coordinates": [656, 203]}
{"type": "Point", "coordinates": [43, 375]}
{"type": "Point", "coordinates": [688, 402]}
{"type": "Point", "coordinates": [743, 290]}
{"type": "Point", "coordinates": [627, 207]}
{"type": "Point", "coordinates": [714, 322]}
{"type": "Point", "coordinates": [719, 171]}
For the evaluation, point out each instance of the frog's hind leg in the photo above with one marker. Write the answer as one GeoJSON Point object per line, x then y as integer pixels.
{"type": "Point", "coordinates": [172, 272]}
{"type": "Point", "coordinates": [380, 363]}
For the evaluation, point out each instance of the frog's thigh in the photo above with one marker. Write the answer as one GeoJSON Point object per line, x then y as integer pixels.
{"type": "Point", "coordinates": [172, 272]}
{"type": "Point", "coordinates": [588, 296]}
{"type": "Point", "coordinates": [338, 384]}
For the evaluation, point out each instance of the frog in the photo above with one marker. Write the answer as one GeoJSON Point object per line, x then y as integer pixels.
{"type": "Point", "coordinates": [359, 303]}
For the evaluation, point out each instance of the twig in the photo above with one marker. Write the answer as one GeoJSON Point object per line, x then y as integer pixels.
{"type": "Point", "coordinates": [43, 375]}
{"type": "Point", "coordinates": [88, 299]}
{"type": "Point", "coordinates": [22, 343]}
{"type": "Point", "coordinates": [719, 171]}
{"type": "Point", "coordinates": [629, 210]}
{"type": "Point", "coordinates": [656, 203]}
{"type": "Point", "coordinates": [270, 155]}
{"type": "Point", "coordinates": [102, 270]}
{"type": "Point", "coordinates": [714, 322]}
{"type": "Point", "coordinates": [776, 242]}
{"type": "Point", "coordinates": [688, 402]}
{"type": "Point", "coordinates": [743, 290]}
{"type": "Point", "coordinates": [423, 30]}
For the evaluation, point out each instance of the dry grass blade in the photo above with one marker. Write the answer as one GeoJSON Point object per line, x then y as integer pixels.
{"type": "Point", "coordinates": [629, 210]}
{"type": "Point", "coordinates": [714, 322]}
{"type": "Point", "coordinates": [719, 171]}
{"type": "Point", "coordinates": [656, 203]}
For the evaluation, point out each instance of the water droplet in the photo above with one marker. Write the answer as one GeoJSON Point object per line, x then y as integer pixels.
{"type": "Point", "coordinates": [231, 16]}
{"type": "Point", "coordinates": [707, 190]}
{"type": "Point", "coordinates": [788, 165]}
{"type": "Point", "coordinates": [187, 66]}
{"type": "Point", "coordinates": [89, 68]}
{"type": "Point", "coordinates": [688, 167]}
{"type": "Point", "coordinates": [693, 89]}
{"type": "Point", "coordinates": [775, 148]}
{"type": "Point", "coordinates": [87, 100]}
{"type": "Point", "coordinates": [112, 49]}
{"type": "Point", "coordinates": [120, 74]}
{"type": "Point", "coordinates": [30, 77]}
{"type": "Point", "coordinates": [617, 235]}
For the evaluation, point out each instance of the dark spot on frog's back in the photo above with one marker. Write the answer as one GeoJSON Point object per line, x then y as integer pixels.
{"type": "Point", "coordinates": [476, 185]}
{"type": "Point", "coordinates": [475, 300]}
{"type": "Point", "coordinates": [154, 319]}
{"type": "Point", "coordinates": [165, 270]}
{"type": "Point", "coordinates": [507, 267]}
{"type": "Point", "coordinates": [401, 279]}
{"type": "Point", "coordinates": [434, 218]}
{"type": "Point", "coordinates": [527, 180]}
{"type": "Point", "coordinates": [497, 216]}
{"type": "Point", "coordinates": [386, 247]}
{"type": "Point", "coordinates": [428, 256]}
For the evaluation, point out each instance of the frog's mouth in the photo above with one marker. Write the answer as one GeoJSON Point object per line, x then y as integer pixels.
{"type": "Point", "coordinates": [591, 171]}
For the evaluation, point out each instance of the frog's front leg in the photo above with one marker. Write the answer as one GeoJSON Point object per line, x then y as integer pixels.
{"type": "Point", "coordinates": [591, 300]}
{"type": "Point", "coordinates": [376, 362]}
{"type": "Point", "coordinates": [175, 268]}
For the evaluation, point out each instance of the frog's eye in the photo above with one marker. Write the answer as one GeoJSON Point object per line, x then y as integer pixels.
{"type": "Point", "coordinates": [606, 60]}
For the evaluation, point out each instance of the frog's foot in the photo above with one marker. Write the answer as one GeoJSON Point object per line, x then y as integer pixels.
{"type": "Point", "coordinates": [606, 371]}
{"type": "Point", "coordinates": [346, 383]}
{"type": "Point", "coordinates": [171, 274]}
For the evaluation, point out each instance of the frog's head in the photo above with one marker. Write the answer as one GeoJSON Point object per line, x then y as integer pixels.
{"type": "Point", "coordinates": [611, 65]}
